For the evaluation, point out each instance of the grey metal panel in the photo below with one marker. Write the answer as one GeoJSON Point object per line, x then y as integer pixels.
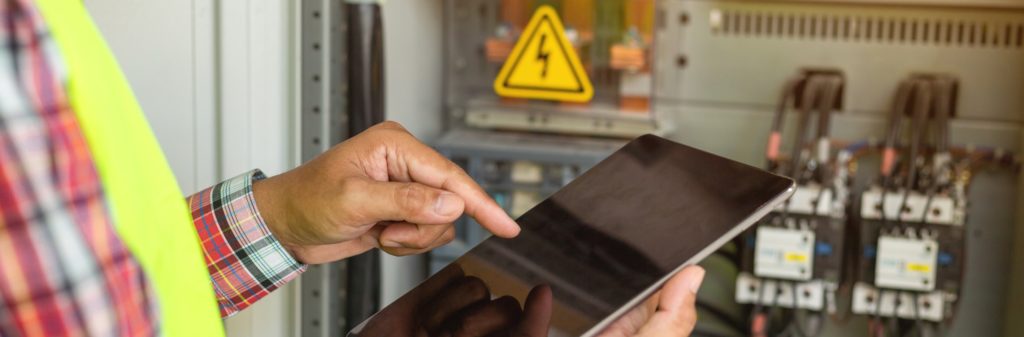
{"type": "Point", "coordinates": [743, 64]}
{"type": "Point", "coordinates": [322, 124]}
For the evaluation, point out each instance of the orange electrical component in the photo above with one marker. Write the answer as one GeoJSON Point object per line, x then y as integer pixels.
{"type": "Point", "coordinates": [624, 57]}
{"type": "Point", "coordinates": [497, 49]}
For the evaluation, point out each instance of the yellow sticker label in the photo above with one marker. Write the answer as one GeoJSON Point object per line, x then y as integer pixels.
{"type": "Point", "coordinates": [543, 64]}
{"type": "Point", "coordinates": [796, 257]}
{"type": "Point", "coordinates": [918, 267]}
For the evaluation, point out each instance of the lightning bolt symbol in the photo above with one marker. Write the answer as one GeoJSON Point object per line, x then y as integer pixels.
{"type": "Point", "coordinates": [543, 56]}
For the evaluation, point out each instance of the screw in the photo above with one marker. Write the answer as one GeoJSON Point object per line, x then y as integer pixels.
{"type": "Point", "coordinates": [684, 18]}
{"type": "Point", "coordinates": [681, 61]}
{"type": "Point", "coordinates": [936, 212]}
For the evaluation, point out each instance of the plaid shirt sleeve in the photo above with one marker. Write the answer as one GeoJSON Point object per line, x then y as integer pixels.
{"type": "Point", "coordinates": [246, 262]}
{"type": "Point", "coordinates": [64, 271]}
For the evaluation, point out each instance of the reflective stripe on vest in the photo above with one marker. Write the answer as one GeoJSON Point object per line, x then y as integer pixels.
{"type": "Point", "coordinates": [150, 213]}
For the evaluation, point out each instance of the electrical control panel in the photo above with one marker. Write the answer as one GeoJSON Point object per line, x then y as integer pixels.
{"type": "Point", "coordinates": [714, 82]}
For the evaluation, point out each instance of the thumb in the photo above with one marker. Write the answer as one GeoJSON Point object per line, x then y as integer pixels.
{"type": "Point", "coordinates": [677, 309]}
{"type": "Point", "coordinates": [415, 203]}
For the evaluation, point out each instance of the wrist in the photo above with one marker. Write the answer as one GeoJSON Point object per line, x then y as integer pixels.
{"type": "Point", "coordinates": [269, 204]}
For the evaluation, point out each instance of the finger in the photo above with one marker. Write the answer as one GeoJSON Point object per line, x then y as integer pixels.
{"type": "Point", "coordinates": [452, 299]}
{"type": "Point", "coordinates": [536, 314]}
{"type": "Point", "coordinates": [486, 318]}
{"type": "Point", "coordinates": [677, 311]}
{"type": "Point", "coordinates": [391, 243]}
{"type": "Point", "coordinates": [416, 203]}
{"type": "Point", "coordinates": [633, 320]}
{"type": "Point", "coordinates": [431, 168]}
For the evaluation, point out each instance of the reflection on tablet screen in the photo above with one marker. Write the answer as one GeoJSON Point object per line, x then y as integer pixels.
{"type": "Point", "coordinates": [589, 249]}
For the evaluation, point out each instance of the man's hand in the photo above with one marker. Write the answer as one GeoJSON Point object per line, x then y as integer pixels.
{"type": "Point", "coordinates": [381, 188]}
{"type": "Point", "coordinates": [671, 312]}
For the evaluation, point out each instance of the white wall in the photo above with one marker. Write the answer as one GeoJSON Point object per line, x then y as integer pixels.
{"type": "Point", "coordinates": [413, 37]}
{"type": "Point", "coordinates": [215, 79]}
{"type": "Point", "coordinates": [161, 71]}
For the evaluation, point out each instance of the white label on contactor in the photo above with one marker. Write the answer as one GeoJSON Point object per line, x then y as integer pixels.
{"type": "Point", "coordinates": [784, 253]}
{"type": "Point", "coordinates": [906, 264]}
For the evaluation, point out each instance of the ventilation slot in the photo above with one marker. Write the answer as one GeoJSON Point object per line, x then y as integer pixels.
{"type": "Point", "coordinates": [880, 29]}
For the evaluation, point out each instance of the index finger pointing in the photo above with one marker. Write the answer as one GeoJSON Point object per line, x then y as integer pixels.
{"type": "Point", "coordinates": [428, 167]}
{"type": "Point", "coordinates": [480, 206]}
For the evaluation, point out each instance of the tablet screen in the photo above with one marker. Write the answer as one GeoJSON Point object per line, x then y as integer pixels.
{"type": "Point", "coordinates": [592, 248]}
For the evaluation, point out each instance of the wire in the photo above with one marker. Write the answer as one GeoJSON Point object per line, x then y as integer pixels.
{"type": "Point", "coordinates": [922, 105]}
{"type": "Point", "coordinates": [810, 96]}
{"type": "Point", "coordinates": [834, 85]}
{"type": "Point", "coordinates": [891, 139]}
{"type": "Point", "coordinates": [775, 137]}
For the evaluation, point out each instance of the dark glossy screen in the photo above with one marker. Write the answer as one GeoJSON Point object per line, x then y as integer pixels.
{"type": "Point", "coordinates": [590, 248]}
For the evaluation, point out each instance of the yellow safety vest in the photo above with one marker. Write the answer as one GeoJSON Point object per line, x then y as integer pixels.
{"type": "Point", "coordinates": [149, 211]}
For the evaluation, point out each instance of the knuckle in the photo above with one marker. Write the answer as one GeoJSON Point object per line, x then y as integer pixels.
{"type": "Point", "coordinates": [412, 199]}
{"type": "Point", "coordinates": [390, 124]}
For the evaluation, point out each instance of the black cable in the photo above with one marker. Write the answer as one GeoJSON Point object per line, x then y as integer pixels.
{"type": "Point", "coordinates": [810, 96]}
{"type": "Point", "coordinates": [758, 306]}
{"type": "Point", "coordinates": [922, 105]}
{"type": "Point", "coordinates": [889, 147]}
{"type": "Point", "coordinates": [878, 313]}
{"type": "Point", "coordinates": [895, 116]}
{"type": "Point", "coordinates": [832, 90]}
{"type": "Point", "coordinates": [789, 92]}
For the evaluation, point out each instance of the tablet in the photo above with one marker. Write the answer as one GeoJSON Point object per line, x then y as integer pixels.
{"type": "Point", "coordinates": [593, 250]}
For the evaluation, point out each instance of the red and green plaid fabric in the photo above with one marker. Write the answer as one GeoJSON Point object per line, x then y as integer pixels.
{"type": "Point", "coordinates": [245, 261]}
{"type": "Point", "coordinates": [63, 269]}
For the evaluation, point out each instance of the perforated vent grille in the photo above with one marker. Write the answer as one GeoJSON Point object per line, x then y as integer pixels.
{"type": "Point", "coordinates": [884, 29]}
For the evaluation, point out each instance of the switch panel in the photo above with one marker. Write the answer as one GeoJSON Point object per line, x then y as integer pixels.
{"type": "Point", "coordinates": [809, 295]}
{"type": "Point", "coordinates": [868, 300]}
{"type": "Point", "coordinates": [784, 253]}
{"type": "Point", "coordinates": [906, 264]}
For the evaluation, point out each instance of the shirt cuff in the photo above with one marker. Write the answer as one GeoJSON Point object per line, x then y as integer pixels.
{"type": "Point", "coordinates": [245, 261]}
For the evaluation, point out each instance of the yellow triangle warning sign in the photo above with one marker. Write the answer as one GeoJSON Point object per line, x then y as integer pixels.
{"type": "Point", "coordinates": [543, 64]}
